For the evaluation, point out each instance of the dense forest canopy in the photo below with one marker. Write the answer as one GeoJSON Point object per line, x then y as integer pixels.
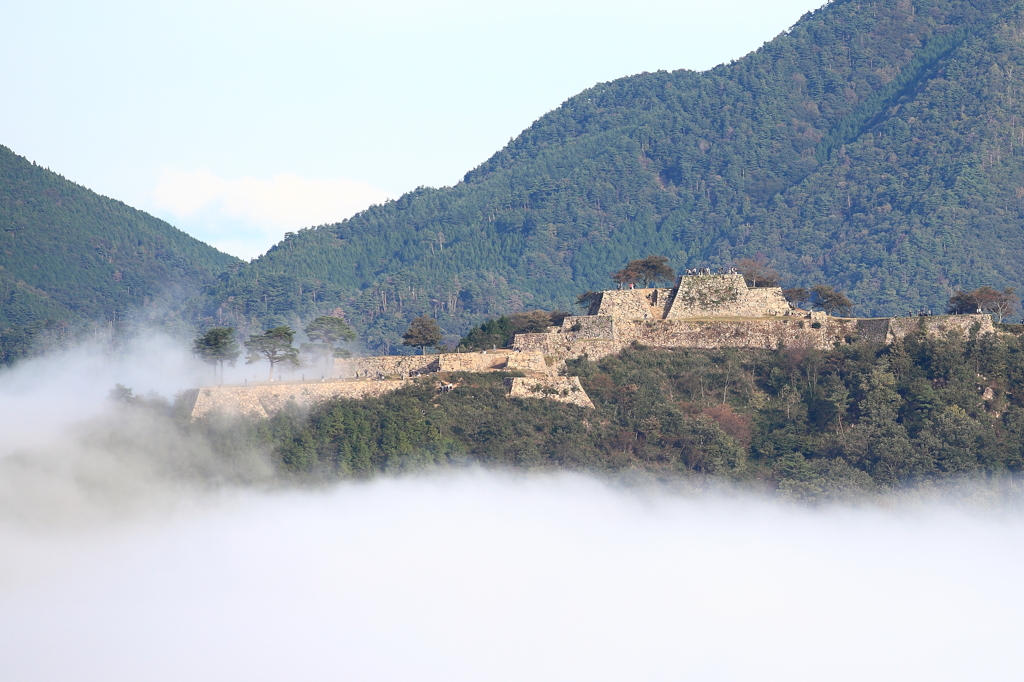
{"type": "Point", "coordinates": [875, 146]}
{"type": "Point", "coordinates": [70, 256]}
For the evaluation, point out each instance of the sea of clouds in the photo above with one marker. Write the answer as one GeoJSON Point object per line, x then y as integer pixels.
{"type": "Point", "coordinates": [131, 551]}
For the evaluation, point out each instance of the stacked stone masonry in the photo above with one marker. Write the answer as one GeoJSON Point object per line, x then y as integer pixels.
{"type": "Point", "coordinates": [267, 400]}
{"type": "Point", "coordinates": [701, 311]}
{"type": "Point", "coordinates": [695, 296]}
{"type": "Point", "coordinates": [550, 387]}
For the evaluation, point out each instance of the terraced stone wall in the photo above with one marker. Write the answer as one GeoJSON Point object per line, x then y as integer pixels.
{"type": "Point", "coordinates": [472, 362]}
{"type": "Point", "coordinates": [560, 389]}
{"type": "Point", "coordinates": [635, 304]}
{"type": "Point", "coordinates": [266, 400]}
{"type": "Point", "coordinates": [725, 296]}
{"type": "Point", "coordinates": [939, 325]}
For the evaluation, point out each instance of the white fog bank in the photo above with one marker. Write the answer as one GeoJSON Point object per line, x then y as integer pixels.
{"type": "Point", "coordinates": [133, 550]}
{"type": "Point", "coordinates": [487, 577]}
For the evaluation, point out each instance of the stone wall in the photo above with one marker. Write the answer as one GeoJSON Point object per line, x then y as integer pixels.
{"type": "Point", "coordinates": [561, 389]}
{"type": "Point", "coordinates": [938, 325]}
{"type": "Point", "coordinates": [812, 330]}
{"type": "Point", "coordinates": [725, 296]}
{"type": "Point", "coordinates": [266, 400]}
{"type": "Point", "coordinates": [567, 345]}
{"type": "Point", "coordinates": [587, 327]}
{"type": "Point", "coordinates": [472, 362]}
{"type": "Point", "coordinates": [534, 363]}
{"type": "Point", "coordinates": [635, 304]}
{"type": "Point", "coordinates": [411, 365]}
{"type": "Point", "coordinates": [385, 365]}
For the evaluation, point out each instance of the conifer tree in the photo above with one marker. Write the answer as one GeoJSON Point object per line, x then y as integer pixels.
{"type": "Point", "coordinates": [274, 346]}
{"type": "Point", "coordinates": [216, 347]}
{"type": "Point", "coordinates": [424, 331]}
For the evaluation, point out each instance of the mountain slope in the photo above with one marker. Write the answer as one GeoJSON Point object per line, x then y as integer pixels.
{"type": "Point", "coordinates": [876, 146]}
{"type": "Point", "coordinates": [68, 254]}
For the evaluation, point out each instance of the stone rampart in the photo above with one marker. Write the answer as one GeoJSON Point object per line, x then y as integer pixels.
{"type": "Point", "coordinates": [412, 365]}
{"type": "Point", "coordinates": [938, 325]}
{"type": "Point", "coordinates": [561, 389]}
{"type": "Point", "coordinates": [533, 363]}
{"type": "Point", "coordinates": [725, 296]}
{"type": "Point", "coordinates": [472, 362]}
{"type": "Point", "coordinates": [635, 304]}
{"type": "Point", "coordinates": [266, 400]}
{"type": "Point", "coordinates": [384, 366]}
{"type": "Point", "coordinates": [812, 330]}
{"type": "Point", "coordinates": [587, 326]}
{"type": "Point", "coordinates": [750, 333]}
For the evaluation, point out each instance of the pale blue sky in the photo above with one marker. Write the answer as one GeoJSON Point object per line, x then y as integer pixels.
{"type": "Point", "coordinates": [238, 121]}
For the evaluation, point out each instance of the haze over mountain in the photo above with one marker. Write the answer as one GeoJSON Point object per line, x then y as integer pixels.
{"type": "Point", "coordinates": [874, 146]}
{"type": "Point", "coordinates": [69, 255]}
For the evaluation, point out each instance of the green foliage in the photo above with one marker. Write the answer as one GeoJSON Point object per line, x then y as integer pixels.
{"type": "Point", "coordinates": [217, 346]}
{"type": "Point", "coordinates": [326, 331]}
{"type": "Point", "coordinates": [815, 425]}
{"type": "Point", "coordinates": [875, 146]}
{"type": "Point", "coordinates": [69, 255]}
{"type": "Point", "coordinates": [424, 331]}
{"type": "Point", "coordinates": [500, 332]}
{"type": "Point", "coordinates": [274, 346]}
{"type": "Point", "coordinates": [329, 330]}
{"type": "Point", "coordinates": [999, 304]}
{"type": "Point", "coordinates": [645, 271]}
{"type": "Point", "coordinates": [823, 297]}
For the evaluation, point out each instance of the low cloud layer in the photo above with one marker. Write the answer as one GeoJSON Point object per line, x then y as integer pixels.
{"type": "Point", "coordinates": [483, 577]}
{"type": "Point", "coordinates": [129, 551]}
{"type": "Point", "coordinates": [248, 215]}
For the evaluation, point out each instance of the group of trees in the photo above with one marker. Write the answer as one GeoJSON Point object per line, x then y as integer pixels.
{"type": "Point", "coordinates": [499, 332]}
{"type": "Point", "coordinates": [218, 345]}
{"type": "Point", "coordinates": [645, 272]}
{"type": "Point", "coordinates": [999, 304]}
{"type": "Point", "coordinates": [821, 297]}
{"type": "Point", "coordinates": [816, 425]}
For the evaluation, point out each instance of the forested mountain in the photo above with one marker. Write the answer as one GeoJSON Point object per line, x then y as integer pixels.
{"type": "Point", "coordinates": [69, 255]}
{"type": "Point", "coordinates": [842, 424]}
{"type": "Point", "coordinates": [874, 146]}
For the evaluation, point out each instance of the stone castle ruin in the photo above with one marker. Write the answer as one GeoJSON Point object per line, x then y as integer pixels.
{"type": "Point", "coordinates": [700, 311]}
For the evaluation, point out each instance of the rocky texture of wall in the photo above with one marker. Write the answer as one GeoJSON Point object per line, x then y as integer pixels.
{"type": "Point", "coordinates": [266, 400]}
{"type": "Point", "coordinates": [385, 366]}
{"type": "Point", "coordinates": [541, 355]}
{"type": "Point", "coordinates": [725, 296]}
{"type": "Point", "coordinates": [532, 363]}
{"type": "Point", "coordinates": [412, 365]}
{"type": "Point", "coordinates": [567, 345]}
{"type": "Point", "coordinates": [635, 304]}
{"type": "Point", "coordinates": [473, 362]}
{"type": "Point", "coordinates": [752, 333]}
{"type": "Point", "coordinates": [810, 330]}
{"type": "Point", "coordinates": [588, 327]}
{"type": "Point", "coordinates": [938, 325]}
{"type": "Point", "coordinates": [561, 389]}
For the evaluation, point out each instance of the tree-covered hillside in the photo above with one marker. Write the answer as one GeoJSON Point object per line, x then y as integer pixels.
{"type": "Point", "coordinates": [841, 424]}
{"type": "Point", "coordinates": [69, 255]}
{"type": "Point", "coordinates": [876, 146]}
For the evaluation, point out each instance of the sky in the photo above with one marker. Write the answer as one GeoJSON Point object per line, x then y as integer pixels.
{"type": "Point", "coordinates": [240, 121]}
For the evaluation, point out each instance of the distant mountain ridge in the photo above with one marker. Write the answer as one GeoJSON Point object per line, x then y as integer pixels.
{"type": "Point", "coordinates": [69, 255]}
{"type": "Point", "coordinates": [876, 146]}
